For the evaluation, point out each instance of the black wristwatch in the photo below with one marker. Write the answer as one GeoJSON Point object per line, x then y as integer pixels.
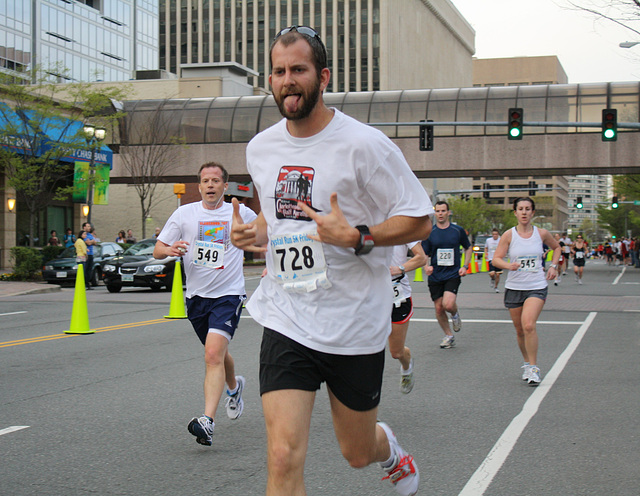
{"type": "Point", "coordinates": [366, 244]}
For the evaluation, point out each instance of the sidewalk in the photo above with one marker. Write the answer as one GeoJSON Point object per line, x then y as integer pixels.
{"type": "Point", "coordinates": [15, 288]}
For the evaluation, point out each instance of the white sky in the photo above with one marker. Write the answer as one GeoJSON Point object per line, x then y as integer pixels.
{"type": "Point", "coordinates": [586, 47]}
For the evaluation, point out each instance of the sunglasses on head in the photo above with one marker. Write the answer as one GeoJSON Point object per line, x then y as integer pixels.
{"type": "Point", "coordinates": [300, 29]}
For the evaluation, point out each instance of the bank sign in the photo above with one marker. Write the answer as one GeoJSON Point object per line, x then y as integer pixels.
{"type": "Point", "coordinates": [29, 145]}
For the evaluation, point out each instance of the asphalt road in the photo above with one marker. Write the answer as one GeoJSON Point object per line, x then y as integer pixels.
{"type": "Point", "coordinates": [106, 413]}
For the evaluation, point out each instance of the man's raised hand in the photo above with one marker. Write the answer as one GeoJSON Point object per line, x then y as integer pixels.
{"type": "Point", "coordinates": [333, 228]}
{"type": "Point", "coordinates": [244, 236]}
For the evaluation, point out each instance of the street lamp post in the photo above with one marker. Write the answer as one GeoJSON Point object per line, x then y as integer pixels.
{"type": "Point", "coordinates": [93, 135]}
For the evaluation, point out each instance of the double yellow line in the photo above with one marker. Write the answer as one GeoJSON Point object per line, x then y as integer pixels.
{"type": "Point", "coordinates": [52, 337]}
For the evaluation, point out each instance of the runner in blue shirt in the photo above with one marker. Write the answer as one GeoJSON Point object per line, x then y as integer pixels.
{"type": "Point", "coordinates": [444, 269]}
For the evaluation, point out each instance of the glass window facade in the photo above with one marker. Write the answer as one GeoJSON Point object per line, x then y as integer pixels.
{"type": "Point", "coordinates": [79, 41]}
{"type": "Point", "coordinates": [238, 119]}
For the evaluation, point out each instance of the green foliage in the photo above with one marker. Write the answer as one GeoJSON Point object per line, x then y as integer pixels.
{"type": "Point", "coordinates": [27, 262]}
{"type": "Point", "coordinates": [626, 217]}
{"type": "Point", "coordinates": [51, 252]}
{"type": "Point", "coordinates": [35, 120]}
{"type": "Point", "coordinates": [478, 217]}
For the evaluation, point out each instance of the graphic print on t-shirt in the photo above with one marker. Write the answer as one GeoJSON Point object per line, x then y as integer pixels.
{"type": "Point", "coordinates": [213, 231]}
{"type": "Point", "coordinates": [294, 184]}
{"type": "Point", "coordinates": [209, 247]}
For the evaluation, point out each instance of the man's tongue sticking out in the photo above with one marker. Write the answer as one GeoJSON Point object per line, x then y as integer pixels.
{"type": "Point", "coordinates": [291, 102]}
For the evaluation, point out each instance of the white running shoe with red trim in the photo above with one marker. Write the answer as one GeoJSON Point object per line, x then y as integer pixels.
{"type": "Point", "coordinates": [403, 473]}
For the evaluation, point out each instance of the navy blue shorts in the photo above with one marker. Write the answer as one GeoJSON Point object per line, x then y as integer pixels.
{"type": "Point", "coordinates": [356, 380]}
{"type": "Point", "coordinates": [214, 313]}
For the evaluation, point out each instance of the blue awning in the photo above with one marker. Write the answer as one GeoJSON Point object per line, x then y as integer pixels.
{"type": "Point", "coordinates": [50, 131]}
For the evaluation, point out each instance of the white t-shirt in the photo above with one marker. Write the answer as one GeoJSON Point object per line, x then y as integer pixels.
{"type": "Point", "coordinates": [349, 314]}
{"type": "Point", "coordinates": [528, 252]}
{"type": "Point", "coordinates": [566, 249]}
{"type": "Point", "coordinates": [399, 257]}
{"type": "Point", "coordinates": [491, 245]}
{"type": "Point", "coordinates": [213, 266]}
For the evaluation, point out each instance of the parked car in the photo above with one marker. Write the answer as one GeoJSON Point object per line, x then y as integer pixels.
{"type": "Point", "coordinates": [64, 268]}
{"type": "Point", "coordinates": [478, 245]}
{"type": "Point", "coordinates": [136, 267]}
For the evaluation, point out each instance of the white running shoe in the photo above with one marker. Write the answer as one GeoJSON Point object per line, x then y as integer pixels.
{"type": "Point", "coordinates": [525, 371]}
{"type": "Point", "coordinates": [497, 290]}
{"type": "Point", "coordinates": [456, 322]}
{"type": "Point", "coordinates": [403, 473]}
{"type": "Point", "coordinates": [534, 376]}
{"type": "Point", "coordinates": [234, 403]}
{"type": "Point", "coordinates": [406, 379]}
{"type": "Point", "coordinates": [202, 429]}
{"type": "Point", "coordinates": [448, 342]}
{"type": "Point", "coordinates": [579, 281]}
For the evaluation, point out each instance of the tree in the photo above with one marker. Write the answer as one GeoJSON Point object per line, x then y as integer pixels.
{"type": "Point", "coordinates": [479, 217]}
{"type": "Point", "coordinates": [40, 124]}
{"type": "Point", "coordinates": [625, 13]}
{"type": "Point", "coordinates": [148, 152]}
{"type": "Point", "coordinates": [620, 220]}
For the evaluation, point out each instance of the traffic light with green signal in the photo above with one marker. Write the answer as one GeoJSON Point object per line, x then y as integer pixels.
{"type": "Point", "coordinates": [609, 125]}
{"type": "Point", "coordinates": [579, 203]}
{"type": "Point", "coordinates": [614, 202]}
{"type": "Point", "coordinates": [514, 124]}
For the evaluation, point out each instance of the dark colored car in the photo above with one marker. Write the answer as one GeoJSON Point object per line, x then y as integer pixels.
{"type": "Point", "coordinates": [63, 269]}
{"type": "Point", "coordinates": [136, 267]}
{"type": "Point", "coordinates": [478, 245]}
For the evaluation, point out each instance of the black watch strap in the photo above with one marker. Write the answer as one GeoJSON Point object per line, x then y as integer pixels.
{"type": "Point", "coordinates": [366, 244]}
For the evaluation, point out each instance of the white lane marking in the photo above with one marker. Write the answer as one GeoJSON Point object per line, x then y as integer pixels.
{"type": "Point", "coordinates": [480, 480]}
{"type": "Point", "coordinates": [615, 281]}
{"type": "Point", "coordinates": [11, 313]}
{"type": "Point", "coordinates": [13, 428]}
{"type": "Point", "coordinates": [508, 321]}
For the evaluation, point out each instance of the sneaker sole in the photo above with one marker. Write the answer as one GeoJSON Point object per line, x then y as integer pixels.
{"type": "Point", "coordinates": [201, 435]}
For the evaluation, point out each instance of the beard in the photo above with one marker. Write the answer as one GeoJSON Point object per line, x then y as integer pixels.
{"type": "Point", "coordinates": [308, 100]}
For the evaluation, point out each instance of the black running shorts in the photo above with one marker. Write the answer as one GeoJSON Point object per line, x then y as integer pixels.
{"type": "Point", "coordinates": [356, 380]}
{"type": "Point", "coordinates": [403, 312]}
{"type": "Point", "coordinates": [437, 288]}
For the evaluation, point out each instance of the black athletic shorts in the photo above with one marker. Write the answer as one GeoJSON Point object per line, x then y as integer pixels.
{"type": "Point", "coordinates": [494, 269]}
{"type": "Point", "coordinates": [356, 380]}
{"type": "Point", "coordinates": [403, 312]}
{"type": "Point", "coordinates": [437, 289]}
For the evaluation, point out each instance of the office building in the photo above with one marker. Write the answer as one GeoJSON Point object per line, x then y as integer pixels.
{"type": "Point", "coordinates": [371, 44]}
{"type": "Point", "coordinates": [594, 190]}
{"type": "Point", "coordinates": [78, 40]}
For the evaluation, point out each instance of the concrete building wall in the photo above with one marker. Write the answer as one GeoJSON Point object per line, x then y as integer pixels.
{"type": "Point", "coordinates": [427, 44]}
{"type": "Point", "coordinates": [518, 71]}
